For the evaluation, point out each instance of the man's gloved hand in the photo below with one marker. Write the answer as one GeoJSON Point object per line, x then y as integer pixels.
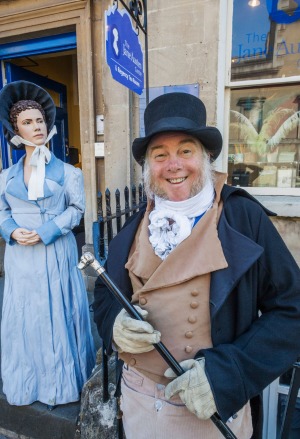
{"type": "Point", "coordinates": [193, 388]}
{"type": "Point", "coordinates": [132, 335]}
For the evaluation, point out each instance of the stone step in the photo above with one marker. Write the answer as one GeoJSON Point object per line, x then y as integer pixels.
{"type": "Point", "coordinates": [36, 422]}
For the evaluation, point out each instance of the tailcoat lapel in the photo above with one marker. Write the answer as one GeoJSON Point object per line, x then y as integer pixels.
{"type": "Point", "coordinates": [240, 253]}
{"type": "Point", "coordinates": [199, 254]}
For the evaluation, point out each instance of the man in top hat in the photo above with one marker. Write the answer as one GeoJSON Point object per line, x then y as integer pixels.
{"type": "Point", "coordinates": [206, 268]}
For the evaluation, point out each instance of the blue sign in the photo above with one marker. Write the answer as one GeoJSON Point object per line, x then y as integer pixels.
{"type": "Point", "coordinates": [124, 54]}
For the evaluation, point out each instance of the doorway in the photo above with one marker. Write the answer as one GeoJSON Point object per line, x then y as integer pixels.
{"type": "Point", "coordinates": [52, 64]}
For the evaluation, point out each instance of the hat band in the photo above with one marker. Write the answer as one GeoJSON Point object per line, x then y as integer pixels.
{"type": "Point", "coordinates": [173, 124]}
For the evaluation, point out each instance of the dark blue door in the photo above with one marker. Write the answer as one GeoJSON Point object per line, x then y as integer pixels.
{"type": "Point", "coordinates": [58, 144]}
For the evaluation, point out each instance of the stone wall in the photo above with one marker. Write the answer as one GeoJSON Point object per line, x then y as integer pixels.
{"type": "Point", "coordinates": [289, 229]}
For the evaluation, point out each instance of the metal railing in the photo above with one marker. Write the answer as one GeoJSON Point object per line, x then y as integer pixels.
{"type": "Point", "coordinates": [108, 225]}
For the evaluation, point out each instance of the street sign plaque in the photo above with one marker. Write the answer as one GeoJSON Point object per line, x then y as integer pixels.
{"type": "Point", "coordinates": [124, 53]}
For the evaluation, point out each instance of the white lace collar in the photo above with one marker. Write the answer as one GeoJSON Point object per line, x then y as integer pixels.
{"type": "Point", "coordinates": [171, 221]}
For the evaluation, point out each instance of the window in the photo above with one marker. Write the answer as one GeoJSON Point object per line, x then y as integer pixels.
{"type": "Point", "coordinates": [263, 101]}
{"type": "Point", "coordinates": [264, 137]}
{"type": "Point", "coordinates": [264, 125]}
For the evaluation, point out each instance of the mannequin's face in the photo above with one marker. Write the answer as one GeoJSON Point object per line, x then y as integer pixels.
{"type": "Point", "coordinates": [32, 127]}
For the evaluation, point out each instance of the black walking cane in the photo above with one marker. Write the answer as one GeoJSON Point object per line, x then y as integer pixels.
{"type": "Point", "coordinates": [89, 259]}
{"type": "Point", "coordinates": [291, 401]}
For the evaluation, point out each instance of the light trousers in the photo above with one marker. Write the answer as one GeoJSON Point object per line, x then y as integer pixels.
{"type": "Point", "coordinates": [147, 414]}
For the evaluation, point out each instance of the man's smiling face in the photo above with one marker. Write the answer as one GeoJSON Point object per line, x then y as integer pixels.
{"type": "Point", "coordinates": [176, 166]}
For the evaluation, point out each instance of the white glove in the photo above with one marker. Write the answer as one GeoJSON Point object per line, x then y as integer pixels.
{"type": "Point", "coordinates": [134, 336]}
{"type": "Point", "coordinates": [193, 388]}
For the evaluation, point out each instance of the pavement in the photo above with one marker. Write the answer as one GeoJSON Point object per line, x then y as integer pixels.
{"type": "Point", "coordinates": [35, 421]}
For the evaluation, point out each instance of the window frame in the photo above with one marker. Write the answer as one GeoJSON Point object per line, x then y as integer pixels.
{"type": "Point", "coordinates": [225, 86]}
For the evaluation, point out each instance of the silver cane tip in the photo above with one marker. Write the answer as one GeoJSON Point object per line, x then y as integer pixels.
{"type": "Point", "coordinates": [85, 260]}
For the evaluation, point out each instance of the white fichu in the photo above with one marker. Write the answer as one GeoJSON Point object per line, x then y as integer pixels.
{"type": "Point", "coordinates": [276, 126]}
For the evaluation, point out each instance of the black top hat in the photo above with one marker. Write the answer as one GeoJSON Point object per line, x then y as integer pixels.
{"type": "Point", "coordinates": [177, 112]}
{"type": "Point", "coordinates": [24, 90]}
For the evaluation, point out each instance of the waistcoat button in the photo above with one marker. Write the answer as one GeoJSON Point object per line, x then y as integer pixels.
{"type": "Point", "coordinates": [195, 293]}
{"type": "Point", "coordinates": [194, 305]}
{"type": "Point", "coordinates": [143, 301]}
{"type": "Point", "coordinates": [188, 349]}
{"type": "Point", "coordinates": [132, 361]}
{"type": "Point", "coordinates": [189, 334]}
{"type": "Point", "coordinates": [192, 319]}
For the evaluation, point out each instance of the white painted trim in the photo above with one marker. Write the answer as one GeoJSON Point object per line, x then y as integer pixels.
{"type": "Point", "coordinates": [284, 202]}
{"type": "Point", "coordinates": [284, 390]}
{"type": "Point", "coordinates": [295, 192]}
{"type": "Point", "coordinates": [270, 410]}
{"type": "Point", "coordinates": [264, 82]}
{"type": "Point", "coordinates": [224, 56]}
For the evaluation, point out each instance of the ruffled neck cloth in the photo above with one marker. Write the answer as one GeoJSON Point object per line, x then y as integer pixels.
{"type": "Point", "coordinates": [172, 221]}
{"type": "Point", "coordinates": [39, 158]}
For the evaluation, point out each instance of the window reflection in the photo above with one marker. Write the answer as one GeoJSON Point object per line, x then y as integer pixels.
{"type": "Point", "coordinates": [265, 39]}
{"type": "Point", "coordinates": [264, 137]}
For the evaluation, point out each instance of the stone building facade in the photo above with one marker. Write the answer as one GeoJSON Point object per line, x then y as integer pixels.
{"type": "Point", "coordinates": [203, 47]}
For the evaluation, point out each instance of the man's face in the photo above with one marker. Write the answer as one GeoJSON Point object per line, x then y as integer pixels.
{"type": "Point", "coordinates": [176, 164]}
{"type": "Point", "coordinates": [31, 126]}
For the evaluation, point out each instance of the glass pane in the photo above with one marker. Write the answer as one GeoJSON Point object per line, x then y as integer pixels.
{"type": "Point", "coordinates": [265, 39]}
{"type": "Point", "coordinates": [264, 137]}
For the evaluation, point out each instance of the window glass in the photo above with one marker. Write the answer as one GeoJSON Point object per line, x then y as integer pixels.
{"type": "Point", "coordinates": [264, 137]}
{"type": "Point", "coordinates": [265, 39]}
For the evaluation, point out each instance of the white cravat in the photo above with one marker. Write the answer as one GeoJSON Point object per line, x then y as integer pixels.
{"type": "Point", "coordinates": [40, 156]}
{"type": "Point", "coordinates": [171, 221]}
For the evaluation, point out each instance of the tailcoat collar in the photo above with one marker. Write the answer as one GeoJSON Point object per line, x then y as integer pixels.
{"type": "Point", "coordinates": [240, 253]}
{"type": "Point", "coordinates": [199, 254]}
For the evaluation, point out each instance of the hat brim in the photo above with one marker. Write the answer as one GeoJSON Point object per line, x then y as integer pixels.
{"type": "Point", "coordinates": [24, 90]}
{"type": "Point", "coordinates": [210, 137]}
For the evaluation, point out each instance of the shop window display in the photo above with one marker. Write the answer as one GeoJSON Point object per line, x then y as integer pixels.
{"type": "Point", "coordinates": [264, 139]}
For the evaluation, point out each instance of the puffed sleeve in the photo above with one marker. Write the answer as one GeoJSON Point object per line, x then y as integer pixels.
{"type": "Point", "coordinates": [71, 216]}
{"type": "Point", "coordinates": [7, 223]}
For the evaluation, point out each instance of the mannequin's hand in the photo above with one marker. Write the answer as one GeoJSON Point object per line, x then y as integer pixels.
{"type": "Point", "coordinates": [25, 237]}
{"type": "Point", "coordinates": [134, 336]}
{"type": "Point", "coordinates": [193, 388]}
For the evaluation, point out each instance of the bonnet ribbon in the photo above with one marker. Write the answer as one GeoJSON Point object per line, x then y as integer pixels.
{"type": "Point", "coordinates": [172, 221]}
{"type": "Point", "coordinates": [40, 156]}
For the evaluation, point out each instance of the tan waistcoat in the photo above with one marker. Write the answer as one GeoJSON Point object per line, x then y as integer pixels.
{"type": "Point", "coordinates": [176, 294]}
{"type": "Point", "coordinates": [175, 291]}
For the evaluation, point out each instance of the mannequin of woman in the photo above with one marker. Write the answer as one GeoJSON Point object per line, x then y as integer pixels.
{"type": "Point", "coordinates": [47, 347]}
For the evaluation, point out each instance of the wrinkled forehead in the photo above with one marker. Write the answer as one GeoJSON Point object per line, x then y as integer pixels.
{"type": "Point", "coordinates": [171, 138]}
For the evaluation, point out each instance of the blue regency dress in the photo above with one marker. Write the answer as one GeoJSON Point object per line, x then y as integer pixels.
{"type": "Point", "coordinates": [47, 347]}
